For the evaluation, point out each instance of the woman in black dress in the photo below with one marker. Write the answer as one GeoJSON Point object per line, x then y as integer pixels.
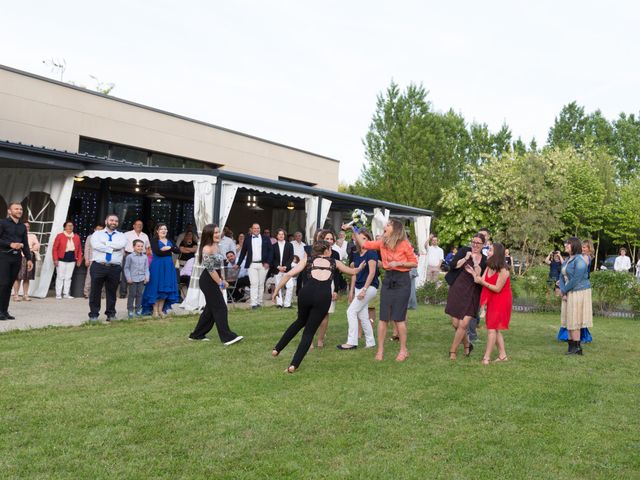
{"type": "Point", "coordinates": [463, 300]}
{"type": "Point", "coordinates": [213, 287]}
{"type": "Point", "coordinates": [314, 298]}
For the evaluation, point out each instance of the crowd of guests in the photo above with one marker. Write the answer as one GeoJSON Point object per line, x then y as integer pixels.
{"type": "Point", "coordinates": [149, 271]}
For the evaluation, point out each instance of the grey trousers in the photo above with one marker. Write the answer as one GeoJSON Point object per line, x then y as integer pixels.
{"type": "Point", "coordinates": [471, 329]}
{"type": "Point", "coordinates": [136, 289]}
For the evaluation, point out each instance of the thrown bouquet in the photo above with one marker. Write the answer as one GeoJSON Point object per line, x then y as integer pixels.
{"type": "Point", "coordinates": [358, 219]}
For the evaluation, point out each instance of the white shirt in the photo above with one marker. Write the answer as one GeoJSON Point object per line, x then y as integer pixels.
{"type": "Point", "coordinates": [435, 255]}
{"type": "Point", "coordinates": [298, 249]}
{"type": "Point", "coordinates": [622, 264]}
{"type": "Point", "coordinates": [281, 248]}
{"type": "Point", "coordinates": [131, 235]}
{"type": "Point", "coordinates": [102, 245]}
{"type": "Point", "coordinates": [227, 244]}
{"type": "Point", "coordinates": [342, 250]}
{"type": "Point", "coordinates": [256, 249]}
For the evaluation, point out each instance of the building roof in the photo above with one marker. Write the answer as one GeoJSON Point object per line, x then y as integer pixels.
{"type": "Point", "coordinates": [18, 155]}
{"type": "Point", "coordinates": [157, 110]}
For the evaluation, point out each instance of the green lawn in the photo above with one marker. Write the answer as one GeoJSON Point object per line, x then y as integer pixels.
{"type": "Point", "coordinates": [137, 400]}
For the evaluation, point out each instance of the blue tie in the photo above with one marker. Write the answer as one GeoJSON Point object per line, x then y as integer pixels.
{"type": "Point", "coordinates": [108, 256]}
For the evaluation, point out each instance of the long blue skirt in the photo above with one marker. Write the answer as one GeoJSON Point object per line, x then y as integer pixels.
{"type": "Point", "coordinates": [163, 284]}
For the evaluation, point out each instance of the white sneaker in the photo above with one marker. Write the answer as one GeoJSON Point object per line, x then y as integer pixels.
{"type": "Point", "coordinates": [205, 339]}
{"type": "Point", "coordinates": [58, 297]}
{"type": "Point", "coordinates": [68, 296]}
{"type": "Point", "coordinates": [235, 340]}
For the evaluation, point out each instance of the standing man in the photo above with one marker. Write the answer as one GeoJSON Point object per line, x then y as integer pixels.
{"type": "Point", "coordinates": [435, 257]}
{"type": "Point", "coordinates": [106, 267]}
{"type": "Point", "coordinates": [13, 242]}
{"type": "Point", "coordinates": [622, 263]}
{"type": "Point", "coordinates": [88, 255]}
{"type": "Point", "coordinates": [258, 252]}
{"type": "Point", "coordinates": [226, 243]}
{"type": "Point", "coordinates": [131, 236]}
{"type": "Point", "coordinates": [281, 264]}
{"type": "Point", "coordinates": [298, 246]}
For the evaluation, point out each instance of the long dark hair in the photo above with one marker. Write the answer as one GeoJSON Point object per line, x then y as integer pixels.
{"type": "Point", "coordinates": [207, 237]}
{"type": "Point", "coordinates": [497, 262]}
{"type": "Point", "coordinates": [319, 247]}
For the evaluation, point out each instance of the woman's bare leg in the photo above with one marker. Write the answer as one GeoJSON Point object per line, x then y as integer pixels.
{"type": "Point", "coordinates": [491, 342]}
{"type": "Point", "coordinates": [382, 335]}
{"type": "Point", "coordinates": [460, 335]}
{"type": "Point", "coordinates": [322, 330]}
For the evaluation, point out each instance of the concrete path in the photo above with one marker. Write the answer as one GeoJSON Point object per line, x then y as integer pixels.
{"type": "Point", "coordinates": [48, 312]}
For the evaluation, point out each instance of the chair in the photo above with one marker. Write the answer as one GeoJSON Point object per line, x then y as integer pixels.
{"type": "Point", "coordinates": [231, 277]}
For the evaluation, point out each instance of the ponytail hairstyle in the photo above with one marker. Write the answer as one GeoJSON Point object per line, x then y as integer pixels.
{"type": "Point", "coordinates": [319, 247]}
{"type": "Point", "coordinates": [207, 238]}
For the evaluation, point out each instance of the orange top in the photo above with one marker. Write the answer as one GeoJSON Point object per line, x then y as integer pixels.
{"type": "Point", "coordinates": [402, 253]}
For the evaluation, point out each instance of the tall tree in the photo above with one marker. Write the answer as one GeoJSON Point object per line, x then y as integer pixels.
{"type": "Point", "coordinates": [627, 148]}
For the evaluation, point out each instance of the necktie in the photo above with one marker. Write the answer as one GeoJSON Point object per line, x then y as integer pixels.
{"type": "Point", "coordinates": [108, 256]}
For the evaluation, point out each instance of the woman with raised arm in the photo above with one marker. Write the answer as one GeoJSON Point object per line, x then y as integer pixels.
{"type": "Point", "coordinates": [314, 298]}
{"type": "Point", "coordinates": [496, 296]}
{"type": "Point", "coordinates": [398, 258]}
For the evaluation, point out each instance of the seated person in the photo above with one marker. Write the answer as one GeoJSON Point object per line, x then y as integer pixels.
{"type": "Point", "coordinates": [237, 284]}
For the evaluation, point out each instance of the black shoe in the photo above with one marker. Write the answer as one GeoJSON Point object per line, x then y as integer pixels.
{"type": "Point", "coordinates": [3, 316]}
{"type": "Point", "coordinates": [8, 316]}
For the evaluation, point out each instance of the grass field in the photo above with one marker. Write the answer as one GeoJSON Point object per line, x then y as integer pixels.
{"type": "Point", "coordinates": [137, 400]}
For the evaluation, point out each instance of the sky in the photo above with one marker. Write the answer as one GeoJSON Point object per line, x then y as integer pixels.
{"type": "Point", "coordinates": [307, 74]}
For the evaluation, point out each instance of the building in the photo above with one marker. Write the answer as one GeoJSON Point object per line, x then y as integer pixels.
{"type": "Point", "coordinates": [70, 153]}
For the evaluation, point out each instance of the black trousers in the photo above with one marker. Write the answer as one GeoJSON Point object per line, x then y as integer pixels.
{"type": "Point", "coordinates": [9, 268]}
{"type": "Point", "coordinates": [313, 304]}
{"type": "Point", "coordinates": [109, 277]}
{"type": "Point", "coordinates": [241, 283]}
{"type": "Point", "coordinates": [124, 286]}
{"type": "Point", "coordinates": [215, 311]}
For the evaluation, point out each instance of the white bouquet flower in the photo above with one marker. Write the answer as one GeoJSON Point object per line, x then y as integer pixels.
{"type": "Point", "coordinates": [358, 219]}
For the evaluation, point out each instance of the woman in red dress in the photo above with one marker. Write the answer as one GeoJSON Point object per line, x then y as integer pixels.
{"type": "Point", "coordinates": [496, 297]}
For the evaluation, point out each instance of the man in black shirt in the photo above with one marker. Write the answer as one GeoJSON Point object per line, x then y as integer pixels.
{"type": "Point", "coordinates": [13, 240]}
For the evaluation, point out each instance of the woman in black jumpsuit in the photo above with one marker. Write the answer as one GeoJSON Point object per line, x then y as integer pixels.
{"type": "Point", "coordinates": [314, 298]}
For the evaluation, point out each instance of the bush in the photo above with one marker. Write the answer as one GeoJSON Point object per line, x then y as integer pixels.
{"type": "Point", "coordinates": [535, 284]}
{"type": "Point", "coordinates": [634, 299]}
{"type": "Point", "coordinates": [433, 293]}
{"type": "Point", "coordinates": [610, 289]}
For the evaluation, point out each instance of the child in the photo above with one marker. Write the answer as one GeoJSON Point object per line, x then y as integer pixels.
{"type": "Point", "coordinates": [136, 271]}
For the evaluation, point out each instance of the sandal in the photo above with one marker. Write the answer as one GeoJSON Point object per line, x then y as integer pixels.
{"type": "Point", "coordinates": [16, 298]}
{"type": "Point", "coordinates": [290, 369]}
{"type": "Point", "coordinates": [27, 298]}
{"type": "Point", "coordinates": [453, 355]}
{"type": "Point", "coordinates": [485, 360]}
{"type": "Point", "coordinates": [402, 356]}
{"type": "Point", "coordinates": [468, 350]}
{"type": "Point", "coordinates": [501, 359]}
{"type": "Point", "coordinates": [395, 338]}
{"type": "Point", "coordinates": [275, 353]}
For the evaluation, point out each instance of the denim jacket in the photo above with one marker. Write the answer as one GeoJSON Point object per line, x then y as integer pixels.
{"type": "Point", "coordinates": [577, 273]}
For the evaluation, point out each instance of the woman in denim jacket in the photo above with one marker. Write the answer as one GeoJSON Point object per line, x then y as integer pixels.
{"type": "Point", "coordinates": [576, 312]}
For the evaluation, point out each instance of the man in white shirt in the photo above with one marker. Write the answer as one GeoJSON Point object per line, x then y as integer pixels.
{"type": "Point", "coordinates": [106, 266]}
{"type": "Point", "coordinates": [281, 264]}
{"type": "Point", "coordinates": [622, 263]}
{"type": "Point", "coordinates": [298, 246]}
{"type": "Point", "coordinates": [131, 235]}
{"type": "Point", "coordinates": [257, 253]}
{"type": "Point", "coordinates": [435, 257]}
{"type": "Point", "coordinates": [226, 241]}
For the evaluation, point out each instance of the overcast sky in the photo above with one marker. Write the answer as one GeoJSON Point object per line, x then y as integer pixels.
{"type": "Point", "coordinates": [307, 73]}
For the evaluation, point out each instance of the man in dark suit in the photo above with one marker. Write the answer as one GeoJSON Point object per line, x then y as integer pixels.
{"type": "Point", "coordinates": [281, 264]}
{"type": "Point", "coordinates": [258, 252]}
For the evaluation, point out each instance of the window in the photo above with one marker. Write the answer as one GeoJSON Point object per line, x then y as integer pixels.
{"type": "Point", "coordinates": [129, 154]}
{"type": "Point", "coordinates": [162, 160]}
{"type": "Point", "coordinates": [93, 147]}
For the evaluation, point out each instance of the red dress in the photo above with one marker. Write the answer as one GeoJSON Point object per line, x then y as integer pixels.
{"type": "Point", "coordinates": [498, 304]}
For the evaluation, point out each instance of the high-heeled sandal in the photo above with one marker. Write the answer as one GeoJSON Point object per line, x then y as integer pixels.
{"type": "Point", "coordinates": [402, 356]}
{"type": "Point", "coordinates": [468, 350]}
{"type": "Point", "coordinates": [501, 359]}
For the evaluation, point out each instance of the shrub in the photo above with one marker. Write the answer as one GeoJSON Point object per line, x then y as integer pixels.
{"type": "Point", "coordinates": [634, 299]}
{"type": "Point", "coordinates": [610, 289]}
{"type": "Point", "coordinates": [433, 293]}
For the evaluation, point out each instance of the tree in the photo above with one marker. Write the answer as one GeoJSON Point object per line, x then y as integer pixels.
{"type": "Point", "coordinates": [569, 127]}
{"type": "Point", "coordinates": [411, 151]}
{"type": "Point", "coordinates": [623, 225]}
{"type": "Point", "coordinates": [627, 145]}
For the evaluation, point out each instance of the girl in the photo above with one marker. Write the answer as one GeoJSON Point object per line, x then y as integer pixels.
{"type": "Point", "coordinates": [398, 258]}
{"type": "Point", "coordinates": [364, 287]}
{"type": "Point", "coordinates": [213, 287]}
{"type": "Point", "coordinates": [314, 298]}
{"type": "Point", "coordinates": [496, 296]}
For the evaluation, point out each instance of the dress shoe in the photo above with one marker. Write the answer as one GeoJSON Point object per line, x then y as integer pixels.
{"type": "Point", "coordinates": [350, 347]}
{"type": "Point", "coordinates": [7, 316]}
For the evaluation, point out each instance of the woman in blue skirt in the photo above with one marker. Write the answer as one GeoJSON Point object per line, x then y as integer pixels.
{"type": "Point", "coordinates": [162, 290]}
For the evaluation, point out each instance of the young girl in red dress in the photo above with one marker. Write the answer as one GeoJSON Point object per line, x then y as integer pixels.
{"type": "Point", "coordinates": [496, 298]}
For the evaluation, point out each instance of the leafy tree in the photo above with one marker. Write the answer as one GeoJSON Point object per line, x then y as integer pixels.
{"type": "Point", "coordinates": [569, 127]}
{"type": "Point", "coordinates": [623, 215]}
{"type": "Point", "coordinates": [627, 145]}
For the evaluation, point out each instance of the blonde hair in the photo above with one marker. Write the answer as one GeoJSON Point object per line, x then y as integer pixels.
{"type": "Point", "coordinates": [397, 235]}
{"type": "Point", "coordinates": [589, 244]}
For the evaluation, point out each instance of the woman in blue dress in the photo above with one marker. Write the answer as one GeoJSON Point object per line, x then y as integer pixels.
{"type": "Point", "coordinates": [162, 290]}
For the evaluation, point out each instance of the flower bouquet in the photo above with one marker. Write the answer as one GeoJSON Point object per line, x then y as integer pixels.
{"type": "Point", "coordinates": [358, 220]}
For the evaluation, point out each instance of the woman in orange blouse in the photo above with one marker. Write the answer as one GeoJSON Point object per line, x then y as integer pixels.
{"type": "Point", "coordinates": [398, 259]}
